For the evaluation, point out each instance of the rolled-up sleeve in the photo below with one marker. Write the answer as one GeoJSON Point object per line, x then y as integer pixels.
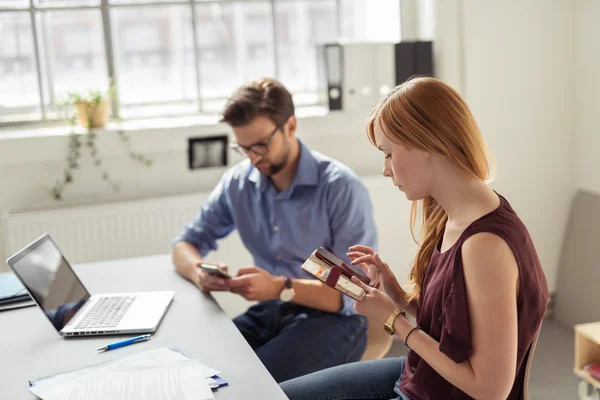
{"type": "Point", "coordinates": [214, 221]}
{"type": "Point", "coordinates": [351, 221]}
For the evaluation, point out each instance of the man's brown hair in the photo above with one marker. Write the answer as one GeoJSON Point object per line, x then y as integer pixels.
{"type": "Point", "coordinates": [265, 97]}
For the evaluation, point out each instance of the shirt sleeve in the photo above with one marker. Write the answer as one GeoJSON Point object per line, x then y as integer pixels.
{"type": "Point", "coordinates": [351, 221]}
{"type": "Point", "coordinates": [213, 221]}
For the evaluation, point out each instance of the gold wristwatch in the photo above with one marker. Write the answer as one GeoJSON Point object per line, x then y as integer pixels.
{"type": "Point", "coordinates": [389, 325]}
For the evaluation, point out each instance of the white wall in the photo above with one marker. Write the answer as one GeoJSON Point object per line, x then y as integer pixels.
{"type": "Point", "coordinates": [587, 90]}
{"type": "Point", "coordinates": [29, 167]}
{"type": "Point", "coordinates": [519, 82]}
{"type": "Point", "coordinates": [516, 67]}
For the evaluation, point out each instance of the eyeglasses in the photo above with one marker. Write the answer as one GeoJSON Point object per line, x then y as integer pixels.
{"type": "Point", "coordinates": [260, 149]}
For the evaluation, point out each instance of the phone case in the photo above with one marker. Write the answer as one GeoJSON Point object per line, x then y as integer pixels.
{"type": "Point", "coordinates": [348, 270]}
{"type": "Point", "coordinates": [333, 277]}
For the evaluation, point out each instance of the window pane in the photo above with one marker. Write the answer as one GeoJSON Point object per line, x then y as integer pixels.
{"type": "Point", "coordinates": [14, 3]}
{"type": "Point", "coordinates": [143, 1]}
{"type": "Point", "coordinates": [73, 53]}
{"type": "Point", "coordinates": [363, 20]}
{"type": "Point", "coordinates": [300, 27]}
{"type": "Point", "coordinates": [235, 45]}
{"type": "Point", "coordinates": [154, 57]}
{"type": "Point", "coordinates": [18, 76]}
{"type": "Point", "coordinates": [66, 3]}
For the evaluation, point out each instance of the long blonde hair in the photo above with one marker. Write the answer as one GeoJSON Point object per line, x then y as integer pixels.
{"type": "Point", "coordinates": [428, 115]}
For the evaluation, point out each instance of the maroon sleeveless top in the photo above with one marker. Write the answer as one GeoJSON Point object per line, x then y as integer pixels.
{"type": "Point", "coordinates": [444, 311]}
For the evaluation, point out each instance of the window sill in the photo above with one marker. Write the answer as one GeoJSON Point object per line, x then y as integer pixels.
{"type": "Point", "coordinates": [40, 131]}
{"type": "Point", "coordinates": [47, 143]}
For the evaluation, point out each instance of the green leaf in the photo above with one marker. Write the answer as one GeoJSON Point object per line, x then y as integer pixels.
{"type": "Point", "coordinates": [56, 192]}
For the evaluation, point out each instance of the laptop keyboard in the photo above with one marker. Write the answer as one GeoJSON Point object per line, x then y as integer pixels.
{"type": "Point", "coordinates": [106, 313]}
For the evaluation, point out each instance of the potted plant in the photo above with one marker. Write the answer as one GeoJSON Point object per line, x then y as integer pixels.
{"type": "Point", "coordinates": [90, 111]}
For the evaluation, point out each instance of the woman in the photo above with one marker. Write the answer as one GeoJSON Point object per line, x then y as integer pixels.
{"type": "Point", "coordinates": [478, 290]}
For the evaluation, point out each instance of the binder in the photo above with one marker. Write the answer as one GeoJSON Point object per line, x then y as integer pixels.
{"type": "Point", "coordinates": [334, 64]}
{"type": "Point", "coordinates": [413, 58]}
{"type": "Point", "coordinates": [355, 76]}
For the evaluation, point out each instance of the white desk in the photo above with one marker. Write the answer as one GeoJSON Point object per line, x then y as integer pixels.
{"type": "Point", "coordinates": [30, 347]}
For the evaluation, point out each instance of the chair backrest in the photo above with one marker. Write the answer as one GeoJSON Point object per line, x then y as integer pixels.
{"type": "Point", "coordinates": [528, 363]}
{"type": "Point", "coordinates": [379, 342]}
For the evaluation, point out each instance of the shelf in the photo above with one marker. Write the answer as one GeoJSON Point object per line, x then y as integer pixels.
{"type": "Point", "coordinates": [587, 377]}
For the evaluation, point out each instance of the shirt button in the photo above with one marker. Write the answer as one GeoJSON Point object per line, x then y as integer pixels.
{"type": "Point", "coordinates": [278, 258]}
{"type": "Point", "coordinates": [276, 228]}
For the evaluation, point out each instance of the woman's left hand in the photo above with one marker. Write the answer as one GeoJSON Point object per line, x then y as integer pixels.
{"type": "Point", "coordinates": [376, 305]}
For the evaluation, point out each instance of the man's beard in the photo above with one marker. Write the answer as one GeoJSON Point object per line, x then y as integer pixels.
{"type": "Point", "coordinates": [277, 166]}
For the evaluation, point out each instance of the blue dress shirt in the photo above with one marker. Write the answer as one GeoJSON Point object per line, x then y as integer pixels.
{"type": "Point", "coordinates": [326, 206]}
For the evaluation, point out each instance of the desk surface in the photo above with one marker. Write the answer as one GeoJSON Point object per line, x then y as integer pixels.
{"type": "Point", "coordinates": [30, 347]}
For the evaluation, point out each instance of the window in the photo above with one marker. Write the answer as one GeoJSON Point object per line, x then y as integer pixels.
{"type": "Point", "coordinates": [171, 57]}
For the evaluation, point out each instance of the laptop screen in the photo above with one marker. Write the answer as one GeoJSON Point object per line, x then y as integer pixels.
{"type": "Point", "coordinates": [50, 280]}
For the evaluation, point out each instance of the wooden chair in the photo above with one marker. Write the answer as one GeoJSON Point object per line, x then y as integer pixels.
{"type": "Point", "coordinates": [528, 364]}
{"type": "Point", "coordinates": [379, 342]}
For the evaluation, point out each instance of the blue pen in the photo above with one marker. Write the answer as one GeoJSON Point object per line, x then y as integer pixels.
{"type": "Point", "coordinates": [123, 343]}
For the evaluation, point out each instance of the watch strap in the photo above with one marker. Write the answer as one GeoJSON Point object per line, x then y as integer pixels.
{"type": "Point", "coordinates": [389, 324]}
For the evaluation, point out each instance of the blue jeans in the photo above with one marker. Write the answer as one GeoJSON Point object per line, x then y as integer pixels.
{"type": "Point", "coordinates": [293, 340]}
{"type": "Point", "coordinates": [375, 379]}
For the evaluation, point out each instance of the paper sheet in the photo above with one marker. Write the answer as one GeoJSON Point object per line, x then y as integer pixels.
{"type": "Point", "coordinates": [177, 382]}
{"type": "Point", "coordinates": [50, 387]}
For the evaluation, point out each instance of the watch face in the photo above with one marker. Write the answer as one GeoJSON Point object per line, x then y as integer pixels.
{"type": "Point", "coordinates": [286, 295]}
{"type": "Point", "coordinates": [388, 329]}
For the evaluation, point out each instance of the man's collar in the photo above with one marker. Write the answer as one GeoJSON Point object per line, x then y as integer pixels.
{"type": "Point", "coordinates": [307, 172]}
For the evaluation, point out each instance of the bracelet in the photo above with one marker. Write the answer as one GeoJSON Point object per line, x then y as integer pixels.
{"type": "Point", "coordinates": [416, 328]}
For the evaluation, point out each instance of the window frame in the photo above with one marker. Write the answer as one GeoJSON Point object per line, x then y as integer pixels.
{"type": "Point", "coordinates": [46, 92]}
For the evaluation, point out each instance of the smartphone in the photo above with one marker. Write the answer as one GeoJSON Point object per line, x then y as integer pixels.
{"type": "Point", "coordinates": [214, 269]}
{"type": "Point", "coordinates": [347, 269]}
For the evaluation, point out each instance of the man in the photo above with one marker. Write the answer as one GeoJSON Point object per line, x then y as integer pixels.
{"type": "Point", "coordinates": [285, 201]}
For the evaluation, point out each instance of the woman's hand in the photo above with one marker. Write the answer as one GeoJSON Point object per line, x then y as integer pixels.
{"type": "Point", "coordinates": [378, 271]}
{"type": "Point", "coordinates": [376, 305]}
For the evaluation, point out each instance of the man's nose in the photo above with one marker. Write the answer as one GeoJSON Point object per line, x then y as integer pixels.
{"type": "Point", "coordinates": [254, 158]}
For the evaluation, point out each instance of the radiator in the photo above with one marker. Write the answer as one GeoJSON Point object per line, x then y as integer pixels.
{"type": "Point", "coordinates": [146, 227]}
{"type": "Point", "coordinates": [106, 231]}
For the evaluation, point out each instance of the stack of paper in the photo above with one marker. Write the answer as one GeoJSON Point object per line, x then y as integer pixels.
{"type": "Point", "coordinates": [12, 293]}
{"type": "Point", "coordinates": [154, 374]}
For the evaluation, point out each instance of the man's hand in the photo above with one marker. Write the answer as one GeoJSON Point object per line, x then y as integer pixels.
{"type": "Point", "coordinates": [207, 282]}
{"type": "Point", "coordinates": [256, 284]}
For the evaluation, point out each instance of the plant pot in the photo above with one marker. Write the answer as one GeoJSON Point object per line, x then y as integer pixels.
{"type": "Point", "coordinates": [90, 115]}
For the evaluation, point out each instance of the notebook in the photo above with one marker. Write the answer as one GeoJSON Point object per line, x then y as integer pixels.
{"type": "Point", "coordinates": [12, 293]}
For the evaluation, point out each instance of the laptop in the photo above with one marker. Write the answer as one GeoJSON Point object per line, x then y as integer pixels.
{"type": "Point", "coordinates": [64, 300]}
